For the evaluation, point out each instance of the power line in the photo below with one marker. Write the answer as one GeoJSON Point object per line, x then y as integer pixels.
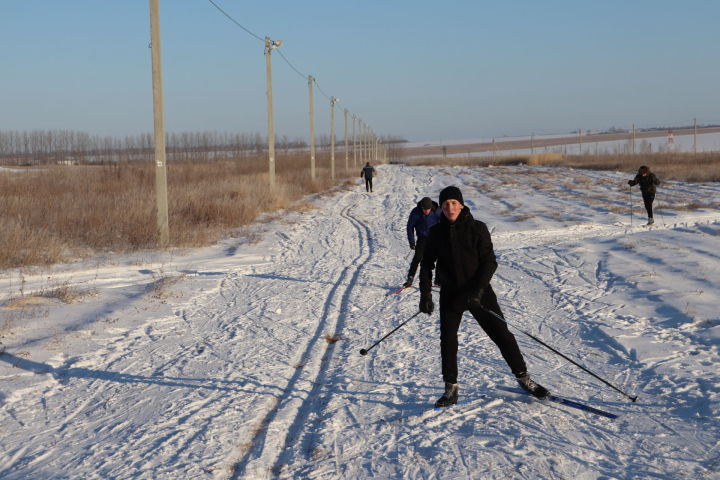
{"type": "Point", "coordinates": [291, 65]}
{"type": "Point", "coordinates": [235, 21]}
{"type": "Point", "coordinates": [320, 89]}
{"type": "Point", "coordinates": [328, 97]}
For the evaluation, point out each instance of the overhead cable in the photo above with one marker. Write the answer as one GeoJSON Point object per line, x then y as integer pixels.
{"type": "Point", "coordinates": [235, 21]}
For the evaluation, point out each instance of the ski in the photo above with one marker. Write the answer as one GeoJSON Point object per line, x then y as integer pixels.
{"type": "Point", "coordinates": [399, 290]}
{"type": "Point", "coordinates": [564, 401]}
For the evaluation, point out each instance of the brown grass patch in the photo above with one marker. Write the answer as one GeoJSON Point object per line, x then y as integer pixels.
{"type": "Point", "coordinates": [32, 301]}
{"type": "Point", "coordinates": [332, 338]}
{"type": "Point", "coordinates": [687, 167]}
{"type": "Point", "coordinates": [57, 213]}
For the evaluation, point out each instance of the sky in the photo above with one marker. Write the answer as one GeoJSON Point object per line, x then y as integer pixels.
{"type": "Point", "coordinates": [421, 70]}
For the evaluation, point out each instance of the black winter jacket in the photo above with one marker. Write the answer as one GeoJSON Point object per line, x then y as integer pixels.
{"type": "Point", "coordinates": [647, 183]}
{"type": "Point", "coordinates": [464, 255]}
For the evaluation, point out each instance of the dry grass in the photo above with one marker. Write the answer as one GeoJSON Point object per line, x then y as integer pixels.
{"type": "Point", "coordinates": [67, 293]}
{"type": "Point", "coordinates": [469, 161]}
{"type": "Point", "coordinates": [332, 338]}
{"type": "Point", "coordinates": [57, 213]}
{"type": "Point", "coordinates": [688, 167]}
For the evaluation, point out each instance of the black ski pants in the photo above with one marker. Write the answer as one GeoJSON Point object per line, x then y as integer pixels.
{"type": "Point", "coordinates": [452, 306]}
{"type": "Point", "coordinates": [648, 199]}
{"type": "Point", "coordinates": [417, 257]}
{"type": "Point", "coordinates": [368, 184]}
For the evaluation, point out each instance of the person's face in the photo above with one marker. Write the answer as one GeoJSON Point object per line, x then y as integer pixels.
{"type": "Point", "coordinates": [644, 174]}
{"type": "Point", "coordinates": [451, 208]}
{"type": "Point", "coordinates": [426, 211]}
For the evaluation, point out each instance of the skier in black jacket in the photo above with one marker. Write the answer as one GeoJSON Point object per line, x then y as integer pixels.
{"type": "Point", "coordinates": [463, 251]}
{"type": "Point", "coordinates": [647, 181]}
{"type": "Point", "coordinates": [368, 172]}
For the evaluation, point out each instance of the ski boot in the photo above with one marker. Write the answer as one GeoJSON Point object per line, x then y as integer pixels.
{"type": "Point", "coordinates": [530, 386]}
{"type": "Point", "coordinates": [650, 221]}
{"type": "Point", "coordinates": [409, 281]}
{"type": "Point", "coordinates": [450, 396]}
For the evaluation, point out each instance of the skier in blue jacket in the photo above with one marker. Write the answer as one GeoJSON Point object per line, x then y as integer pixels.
{"type": "Point", "coordinates": [422, 217]}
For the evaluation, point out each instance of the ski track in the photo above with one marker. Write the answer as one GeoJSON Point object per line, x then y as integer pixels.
{"type": "Point", "coordinates": [239, 381]}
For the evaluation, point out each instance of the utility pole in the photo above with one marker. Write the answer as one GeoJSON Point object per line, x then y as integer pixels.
{"type": "Point", "coordinates": [160, 161]}
{"type": "Point", "coordinates": [269, 47]}
{"type": "Point", "coordinates": [494, 150]}
{"type": "Point", "coordinates": [579, 141]}
{"type": "Point", "coordinates": [532, 143]}
{"type": "Point", "coordinates": [312, 128]}
{"type": "Point", "coordinates": [333, 101]}
{"type": "Point", "coordinates": [346, 141]}
{"type": "Point", "coordinates": [376, 147]}
{"type": "Point", "coordinates": [633, 139]}
{"type": "Point", "coordinates": [361, 140]}
{"type": "Point", "coordinates": [366, 157]}
{"type": "Point", "coordinates": [354, 117]}
{"type": "Point", "coordinates": [695, 136]}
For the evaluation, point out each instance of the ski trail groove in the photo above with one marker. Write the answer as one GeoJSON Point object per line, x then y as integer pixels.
{"type": "Point", "coordinates": [295, 405]}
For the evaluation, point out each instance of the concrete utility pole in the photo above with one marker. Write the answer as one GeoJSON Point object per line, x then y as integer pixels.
{"type": "Point", "coordinates": [494, 151]}
{"type": "Point", "coordinates": [333, 101]}
{"type": "Point", "coordinates": [160, 169]}
{"type": "Point", "coordinates": [532, 143]}
{"type": "Point", "coordinates": [269, 47]}
{"type": "Point", "coordinates": [312, 128]}
{"type": "Point", "coordinates": [375, 147]}
{"type": "Point", "coordinates": [363, 144]}
{"type": "Point", "coordinates": [346, 141]}
{"type": "Point", "coordinates": [354, 117]}
{"type": "Point", "coordinates": [633, 139]}
{"type": "Point", "coordinates": [579, 141]}
{"type": "Point", "coordinates": [695, 136]}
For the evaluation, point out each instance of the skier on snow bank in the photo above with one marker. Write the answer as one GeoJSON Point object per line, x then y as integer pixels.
{"type": "Point", "coordinates": [461, 249]}
{"type": "Point", "coordinates": [647, 181]}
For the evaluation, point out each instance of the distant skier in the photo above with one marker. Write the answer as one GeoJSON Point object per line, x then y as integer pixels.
{"type": "Point", "coordinates": [647, 181]}
{"type": "Point", "coordinates": [463, 250]}
{"type": "Point", "coordinates": [368, 172]}
{"type": "Point", "coordinates": [422, 217]}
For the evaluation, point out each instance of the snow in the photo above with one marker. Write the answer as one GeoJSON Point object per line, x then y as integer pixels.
{"type": "Point", "coordinates": [220, 362]}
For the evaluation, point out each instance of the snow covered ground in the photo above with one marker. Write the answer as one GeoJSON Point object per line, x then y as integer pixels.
{"type": "Point", "coordinates": [241, 361]}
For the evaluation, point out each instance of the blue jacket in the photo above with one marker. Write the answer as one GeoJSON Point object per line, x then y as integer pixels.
{"type": "Point", "coordinates": [421, 223]}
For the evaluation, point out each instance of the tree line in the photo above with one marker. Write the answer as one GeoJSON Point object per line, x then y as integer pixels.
{"type": "Point", "coordinates": [68, 146]}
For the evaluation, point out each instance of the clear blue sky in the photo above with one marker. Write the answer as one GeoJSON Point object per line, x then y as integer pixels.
{"type": "Point", "coordinates": [420, 69]}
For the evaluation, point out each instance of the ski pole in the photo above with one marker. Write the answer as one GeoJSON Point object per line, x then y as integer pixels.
{"type": "Point", "coordinates": [630, 196]}
{"type": "Point", "coordinates": [563, 356]}
{"type": "Point", "coordinates": [662, 217]}
{"type": "Point", "coordinates": [364, 351]}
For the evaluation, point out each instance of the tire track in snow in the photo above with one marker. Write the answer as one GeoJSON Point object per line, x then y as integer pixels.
{"type": "Point", "coordinates": [285, 424]}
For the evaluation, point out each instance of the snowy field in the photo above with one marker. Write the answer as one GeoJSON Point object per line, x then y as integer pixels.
{"type": "Point", "coordinates": [705, 142]}
{"type": "Point", "coordinates": [241, 361]}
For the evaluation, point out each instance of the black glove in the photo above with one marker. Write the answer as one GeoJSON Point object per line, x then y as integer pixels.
{"type": "Point", "coordinates": [412, 245]}
{"type": "Point", "coordinates": [475, 299]}
{"type": "Point", "coordinates": [426, 304]}
{"type": "Point", "coordinates": [630, 182]}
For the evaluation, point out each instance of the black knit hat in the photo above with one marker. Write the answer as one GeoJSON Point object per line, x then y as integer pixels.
{"type": "Point", "coordinates": [426, 203]}
{"type": "Point", "coordinates": [451, 193]}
